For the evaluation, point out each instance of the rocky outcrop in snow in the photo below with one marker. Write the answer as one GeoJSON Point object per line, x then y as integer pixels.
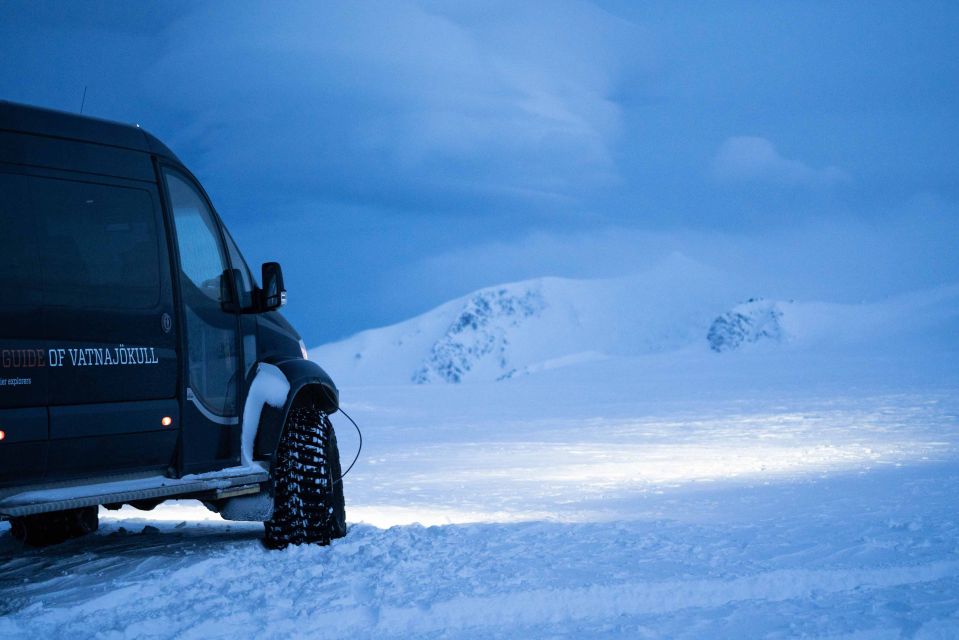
{"type": "Point", "coordinates": [479, 332]}
{"type": "Point", "coordinates": [754, 320]}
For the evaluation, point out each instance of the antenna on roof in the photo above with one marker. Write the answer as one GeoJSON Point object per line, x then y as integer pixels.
{"type": "Point", "coordinates": [83, 100]}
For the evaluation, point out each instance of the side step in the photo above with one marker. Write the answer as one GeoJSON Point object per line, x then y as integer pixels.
{"type": "Point", "coordinates": [213, 486]}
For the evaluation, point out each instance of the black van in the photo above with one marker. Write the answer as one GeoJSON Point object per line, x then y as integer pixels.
{"type": "Point", "coordinates": [131, 334]}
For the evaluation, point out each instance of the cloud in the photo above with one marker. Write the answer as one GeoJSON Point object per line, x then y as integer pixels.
{"type": "Point", "coordinates": [752, 159]}
{"type": "Point", "coordinates": [403, 102]}
{"type": "Point", "coordinates": [830, 257]}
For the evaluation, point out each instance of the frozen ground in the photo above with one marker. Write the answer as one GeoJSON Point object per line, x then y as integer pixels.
{"type": "Point", "coordinates": [636, 498]}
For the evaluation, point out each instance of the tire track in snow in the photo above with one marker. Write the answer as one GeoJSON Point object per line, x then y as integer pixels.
{"type": "Point", "coordinates": [597, 602]}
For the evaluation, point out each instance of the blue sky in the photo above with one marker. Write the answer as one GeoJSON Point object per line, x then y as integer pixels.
{"type": "Point", "coordinates": [395, 154]}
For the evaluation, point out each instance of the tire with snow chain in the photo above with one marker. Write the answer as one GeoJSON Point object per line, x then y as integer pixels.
{"type": "Point", "coordinates": [308, 504]}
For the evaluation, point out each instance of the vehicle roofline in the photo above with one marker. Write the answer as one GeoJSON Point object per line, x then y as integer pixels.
{"type": "Point", "coordinates": [25, 118]}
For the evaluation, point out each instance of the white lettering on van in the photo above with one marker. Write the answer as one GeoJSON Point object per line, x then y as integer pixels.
{"type": "Point", "coordinates": [59, 357]}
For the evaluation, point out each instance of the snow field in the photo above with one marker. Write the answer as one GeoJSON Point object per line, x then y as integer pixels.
{"type": "Point", "coordinates": [816, 572]}
{"type": "Point", "coordinates": [555, 512]}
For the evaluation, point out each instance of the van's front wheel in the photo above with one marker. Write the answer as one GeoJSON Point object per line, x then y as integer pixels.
{"type": "Point", "coordinates": [308, 504]}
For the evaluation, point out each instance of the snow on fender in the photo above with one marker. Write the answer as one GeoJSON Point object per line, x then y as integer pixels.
{"type": "Point", "coordinates": [269, 386]}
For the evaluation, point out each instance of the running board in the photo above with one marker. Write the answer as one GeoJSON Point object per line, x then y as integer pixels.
{"type": "Point", "coordinates": [213, 486]}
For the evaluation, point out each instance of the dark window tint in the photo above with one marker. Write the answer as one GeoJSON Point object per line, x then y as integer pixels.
{"type": "Point", "coordinates": [20, 279]}
{"type": "Point", "coordinates": [80, 244]}
{"type": "Point", "coordinates": [201, 257]}
{"type": "Point", "coordinates": [246, 282]}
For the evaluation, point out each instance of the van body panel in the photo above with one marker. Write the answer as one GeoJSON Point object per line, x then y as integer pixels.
{"type": "Point", "coordinates": [110, 454]}
{"type": "Point", "coordinates": [24, 425]}
{"type": "Point", "coordinates": [107, 371]}
{"type": "Point", "coordinates": [58, 124]}
{"type": "Point", "coordinates": [69, 126]}
{"type": "Point", "coordinates": [23, 450]}
{"type": "Point", "coordinates": [22, 462]}
{"type": "Point", "coordinates": [97, 159]}
{"type": "Point", "coordinates": [79, 421]}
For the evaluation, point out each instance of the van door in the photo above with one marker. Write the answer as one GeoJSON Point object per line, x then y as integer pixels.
{"type": "Point", "coordinates": [210, 400]}
{"type": "Point", "coordinates": [106, 359]}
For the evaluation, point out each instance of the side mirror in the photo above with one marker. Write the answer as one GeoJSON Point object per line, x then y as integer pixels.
{"type": "Point", "coordinates": [274, 293]}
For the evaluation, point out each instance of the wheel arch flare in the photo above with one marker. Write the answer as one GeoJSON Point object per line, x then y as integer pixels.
{"type": "Point", "coordinates": [309, 384]}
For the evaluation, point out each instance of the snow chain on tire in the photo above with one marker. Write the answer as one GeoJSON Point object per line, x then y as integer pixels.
{"type": "Point", "coordinates": [308, 505]}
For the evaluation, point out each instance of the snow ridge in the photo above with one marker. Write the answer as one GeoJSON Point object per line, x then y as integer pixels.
{"type": "Point", "coordinates": [479, 331]}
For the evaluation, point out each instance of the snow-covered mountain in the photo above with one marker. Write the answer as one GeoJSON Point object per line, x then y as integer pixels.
{"type": "Point", "coordinates": [480, 334]}
{"type": "Point", "coordinates": [537, 324]}
{"type": "Point", "coordinates": [541, 324]}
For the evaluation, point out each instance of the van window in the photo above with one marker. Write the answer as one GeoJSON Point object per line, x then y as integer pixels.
{"type": "Point", "coordinates": [201, 258]}
{"type": "Point", "coordinates": [246, 278]}
{"type": "Point", "coordinates": [20, 278]}
{"type": "Point", "coordinates": [212, 347]}
{"type": "Point", "coordinates": [79, 244]}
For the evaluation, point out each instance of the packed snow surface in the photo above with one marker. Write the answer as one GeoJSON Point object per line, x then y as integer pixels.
{"type": "Point", "coordinates": [557, 507]}
{"type": "Point", "coordinates": [637, 485]}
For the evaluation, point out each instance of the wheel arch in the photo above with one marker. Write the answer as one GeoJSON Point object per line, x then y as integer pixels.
{"type": "Point", "coordinates": [309, 383]}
